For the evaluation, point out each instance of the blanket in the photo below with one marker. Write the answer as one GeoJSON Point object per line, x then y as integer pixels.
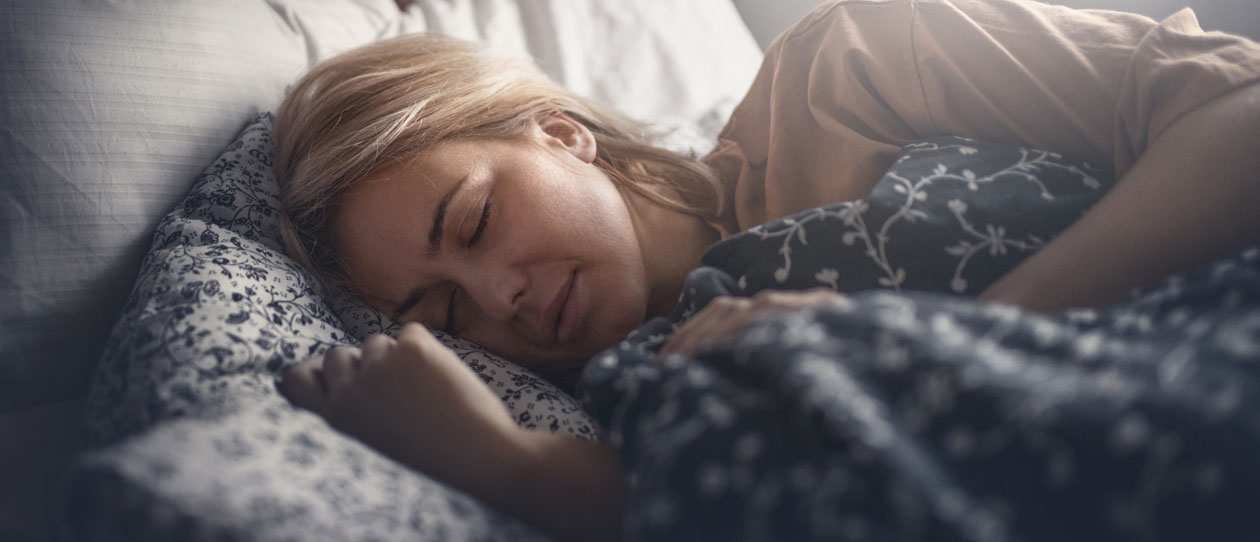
{"type": "Point", "coordinates": [920, 414]}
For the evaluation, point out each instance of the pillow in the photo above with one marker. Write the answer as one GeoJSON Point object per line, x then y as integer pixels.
{"type": "Point", "coordinates": [951, 215]}
{"type": "Point", "coordinates": [111, 111]}
{"type": "Point", "coordinates": [108, 112]}
{"type": "Point", "coordinates": [194, 434]}
{"type": "Point", "coordinates": [653, 59]}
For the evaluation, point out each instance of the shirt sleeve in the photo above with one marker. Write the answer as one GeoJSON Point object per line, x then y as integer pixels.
{"type": "Point", "coordinates": [844, 89]}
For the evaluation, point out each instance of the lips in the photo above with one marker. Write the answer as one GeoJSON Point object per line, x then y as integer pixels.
{"type": "Point", "coordinates": [554, 316]}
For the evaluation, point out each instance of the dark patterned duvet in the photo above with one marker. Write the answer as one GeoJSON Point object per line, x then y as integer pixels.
{"type": "Point", "coordinates": [913, 415]}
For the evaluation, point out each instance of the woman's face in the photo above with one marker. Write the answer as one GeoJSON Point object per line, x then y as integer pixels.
{"type": "Point", "coordinates": [521, 246]}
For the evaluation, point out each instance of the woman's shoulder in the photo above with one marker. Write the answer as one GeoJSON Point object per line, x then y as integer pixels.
{"type": "Point", "coordinates": [1013, 14]}
{"type": "Point", "coordinates": [833, 14]}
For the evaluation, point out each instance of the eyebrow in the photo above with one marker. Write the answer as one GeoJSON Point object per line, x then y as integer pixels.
{"type": "Point", "coordinates": [435, 245]}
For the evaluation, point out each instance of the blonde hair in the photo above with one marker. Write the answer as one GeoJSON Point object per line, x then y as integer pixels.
{"type": "Point", "coordinates": [384, 103]}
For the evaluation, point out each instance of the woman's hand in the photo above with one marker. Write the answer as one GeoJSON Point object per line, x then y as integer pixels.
{"type": "Point", "coordinates": [725, 316]}
{"type": "Point", "coordinates": [413, 399]}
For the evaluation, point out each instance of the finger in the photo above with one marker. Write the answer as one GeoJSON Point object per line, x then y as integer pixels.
{"type": "Point", "coordinates": [680, 343]}
{"type": "Point", "coordinates": [767, 301]}
{"type": "Point", "coordinates": [684, 341]}
{"type": "Point", "coordinates": [303, 384]}
{"type": "Point", "coordinates": [828, 295]}
{"type": "Point", "coordinates": [717, 310]}
{"type": "Point", "coordinates": [340, 365]}
{"type": "Point", "coordinates": [416, 343]}
{"type": "Point", "coordinates": [787, 300]}
{"type": "Point", "coordinates": [711, 323]}
{"type": "Point", "coordinates": [375, 348]}
{"type": "Point", "coordinates": [712, 330]}
{"type": "Point", "coordinates": [414, 335]}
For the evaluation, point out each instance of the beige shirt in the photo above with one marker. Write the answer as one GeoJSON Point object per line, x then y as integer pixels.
{"type": "Point", "coordinates": [841, 92]}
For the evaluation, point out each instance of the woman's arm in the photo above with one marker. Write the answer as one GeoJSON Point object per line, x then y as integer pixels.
{"type": "Point", "coordinates": [414, 400]}
{"type": "Point", "coordinates": [1193, 196]}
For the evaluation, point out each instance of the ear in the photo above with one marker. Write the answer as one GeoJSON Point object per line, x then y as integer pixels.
{"type": "Point", "coordinates": [561, 130]}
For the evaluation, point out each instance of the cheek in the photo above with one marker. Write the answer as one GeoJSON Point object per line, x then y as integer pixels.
{"type": "Point", "coordinates": [604, 221]}
{"type": "Point", "coordinates": [586, 197]}
{"type": "Point", "coordinates": [619, 302]}
{"type": "Point", "coordinates": [582, 218]}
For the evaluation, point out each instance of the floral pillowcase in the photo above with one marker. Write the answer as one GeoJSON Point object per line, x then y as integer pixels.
{"type": "Point", "coordinates": [191, 439]}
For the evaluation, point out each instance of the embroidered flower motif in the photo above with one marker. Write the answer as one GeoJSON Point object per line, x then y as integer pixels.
{"type": "Point", "coordinates": [828, 277]}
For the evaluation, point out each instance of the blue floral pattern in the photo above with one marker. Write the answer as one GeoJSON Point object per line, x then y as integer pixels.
{"type": "Point", "coordinates": [951, 215]}
{"type": "Point", "coordinates": [192, 440]}
{"type": "Point", "coordinates": [922, 415]}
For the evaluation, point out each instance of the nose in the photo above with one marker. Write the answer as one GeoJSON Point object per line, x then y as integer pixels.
{"type": "Point", "coordinates": [495, 288]}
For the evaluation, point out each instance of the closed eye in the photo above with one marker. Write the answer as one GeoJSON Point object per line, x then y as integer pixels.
{"type": "Point", "coordinates": [481, 225]}
{"type": "Point", "coordinates": [449, 326]}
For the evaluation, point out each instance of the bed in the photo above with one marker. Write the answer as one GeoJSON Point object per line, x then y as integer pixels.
{"type": "Point", "coordinates": [145, 293]}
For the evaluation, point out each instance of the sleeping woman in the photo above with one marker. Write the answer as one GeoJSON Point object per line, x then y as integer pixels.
{"type": "Point", "coordinates": [455, 188]}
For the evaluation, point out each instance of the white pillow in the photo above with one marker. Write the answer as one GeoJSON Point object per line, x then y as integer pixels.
{"type": "Point", "coordinates": [110, 111]}
{"type": "Point", "coordinates": [653, 59]}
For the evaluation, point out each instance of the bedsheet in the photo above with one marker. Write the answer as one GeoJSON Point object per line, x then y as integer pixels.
{"type": "Point", "coordinates": [922, 415]}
